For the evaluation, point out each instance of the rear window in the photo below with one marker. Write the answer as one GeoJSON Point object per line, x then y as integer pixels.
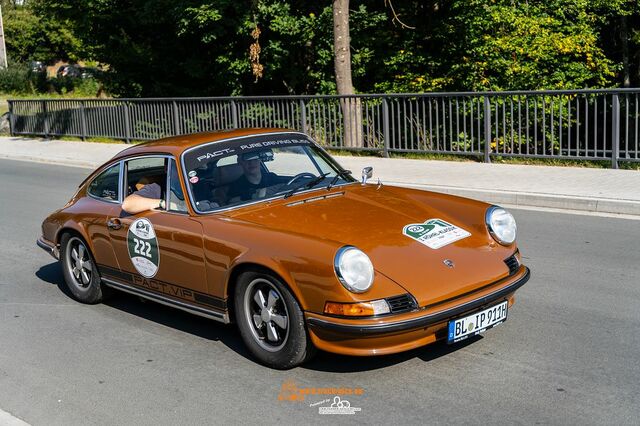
{"type": "Point", "coordinates": [106, 185]}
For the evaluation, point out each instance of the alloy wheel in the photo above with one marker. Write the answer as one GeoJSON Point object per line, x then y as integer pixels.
{"type": "Point", "coordinates": [79, 263]}
{"type": "Point", "coordinates": [267, 315]}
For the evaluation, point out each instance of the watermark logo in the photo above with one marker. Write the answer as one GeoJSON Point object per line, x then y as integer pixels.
{"type": "Point", "coordinates": [334, 402]}
{"type": "Point", "coordinates": [339, 406]}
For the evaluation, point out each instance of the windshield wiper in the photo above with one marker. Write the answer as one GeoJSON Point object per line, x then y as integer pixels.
{"type": "Point", "coordinates": [341, 173]}
{"type": "Point", "coordinates": [306, 185]}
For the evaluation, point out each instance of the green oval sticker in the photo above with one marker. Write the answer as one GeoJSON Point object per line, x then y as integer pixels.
{"type": "Point", "coordinates": [435, 233]}
{"type": "Point", "coordinates": [143, 247]}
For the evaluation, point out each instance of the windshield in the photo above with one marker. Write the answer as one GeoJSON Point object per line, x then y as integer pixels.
{"type": "Point", "coordinates": [242, 171]}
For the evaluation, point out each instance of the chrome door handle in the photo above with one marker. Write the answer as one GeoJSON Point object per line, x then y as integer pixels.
{"type": "Point", "coordinates": [114, 224]}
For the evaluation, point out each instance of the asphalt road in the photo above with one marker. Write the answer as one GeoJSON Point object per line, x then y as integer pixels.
{"type": "Point", "coordinates": [568, 354]}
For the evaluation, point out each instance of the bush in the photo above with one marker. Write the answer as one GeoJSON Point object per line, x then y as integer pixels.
{"type": "Point", "coordinates": [16, 79]}
{"type": "Point", "coordinates": [79, 87]}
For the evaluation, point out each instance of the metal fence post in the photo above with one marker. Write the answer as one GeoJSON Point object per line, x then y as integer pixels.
{"type": "Point", "coordinates": [234, 114]}
{"type": "Point", "coordinates": [487, 130]}
{"type": "Point", "coordinates": [615, 131]}
{"type": "Point", "coordinates": [127, 123]}
{"type": "Point", "coordinates": [46, 119]}
{"type": "Point", "coordinates": [83, 121]}
{"type": "Point", "coordinates": [385, 128]}
{"type": "Point", "coordinates": [11, 118]}
{"type": "Point", "coordinates": [303, 116]}
{"type": "Point", "coordinates": [176, 119]}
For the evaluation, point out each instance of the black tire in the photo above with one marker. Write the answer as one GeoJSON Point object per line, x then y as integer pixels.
{"type": "Point", "coordinates": [291, 345]}
{"type": "Point", "coordinates": [84, 284]}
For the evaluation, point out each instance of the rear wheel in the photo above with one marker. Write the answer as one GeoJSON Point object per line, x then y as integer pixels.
{"type": "Point", "coordinates": [80, 272]}
{"type": "Point", "coordinates": [271, 322]}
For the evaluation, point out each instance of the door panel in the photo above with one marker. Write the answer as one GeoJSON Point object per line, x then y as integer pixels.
{"type": "Point", "coordinates": [180, 265]}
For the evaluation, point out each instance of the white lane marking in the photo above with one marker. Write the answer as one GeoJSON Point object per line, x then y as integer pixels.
{"type": "Point", "coordinates": [7, 419]}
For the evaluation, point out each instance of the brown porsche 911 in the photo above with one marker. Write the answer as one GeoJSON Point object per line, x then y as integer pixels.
{"type": "Point", "coordinates": [264, 229]}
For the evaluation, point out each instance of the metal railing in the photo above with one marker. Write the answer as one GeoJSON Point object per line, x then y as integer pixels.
{"type": "Point", "coordinates": [576, 125]}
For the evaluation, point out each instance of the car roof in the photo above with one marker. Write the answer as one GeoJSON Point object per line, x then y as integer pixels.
{"type": "Point", "coordinates": [176, 145]}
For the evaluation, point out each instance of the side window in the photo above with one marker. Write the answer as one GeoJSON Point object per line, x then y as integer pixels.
{"type": "Point", "coordinates": [149, 173]}
{"type": "Point", "coordinates": [106, 184]}
{"type": "Point", "coordinates": [176, 196]}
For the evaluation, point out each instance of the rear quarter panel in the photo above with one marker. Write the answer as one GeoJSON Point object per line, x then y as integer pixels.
{"type": "Point", "coordinates": [87, 217]}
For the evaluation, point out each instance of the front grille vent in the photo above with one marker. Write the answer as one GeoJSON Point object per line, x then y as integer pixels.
{"type": "Point", "coordinates": [402, 303]}
{"type": "Point", "coordinates": [513, 263]}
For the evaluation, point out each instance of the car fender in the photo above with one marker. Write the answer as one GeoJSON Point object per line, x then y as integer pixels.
{"type": "Point", "coordinates": [311, 290]}
{"type": "Point", "coordinates": [251, 260]}
{"type": "Point", "coordinates": [71, 225]}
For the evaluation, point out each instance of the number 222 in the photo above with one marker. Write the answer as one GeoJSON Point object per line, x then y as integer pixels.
{"type": "Point", "coordinates": [142, 247]}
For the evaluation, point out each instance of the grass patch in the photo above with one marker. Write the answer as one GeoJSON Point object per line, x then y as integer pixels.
{"type": "Point", "coordinates": [409, 155]}
{"type": "Point", "coordinates": [558, 162]}
{"type": "Point", "coordinates": [433, 156]}
{"type": "Point", "coordinates": [4, 97]}
{"type": "Point", "coordinates": [552, 162]}
{"type": "Point", "coordinates": [78, 139]}
{"type": "Point", "coordinates": [70, 95]}
{"type": "Point", "coordinates": [629, 166]}
{"type": "Point", "coordinates": [351, 153]}
{"type": "Point", "coordinates": [94, 140]}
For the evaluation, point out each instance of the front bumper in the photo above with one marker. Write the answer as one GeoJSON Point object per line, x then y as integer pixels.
{"type": "Point", "coordinates": [385, 335]}
{"type": "Point", "coordinates": [49, 247]}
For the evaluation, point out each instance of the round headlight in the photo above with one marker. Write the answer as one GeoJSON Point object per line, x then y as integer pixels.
{"type": "Point", "coordinates": [502, 225]}
{"type": "Point", "coordinates": [354, 269]}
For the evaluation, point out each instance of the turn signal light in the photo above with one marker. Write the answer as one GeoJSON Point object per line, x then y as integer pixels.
{"type": "Point", "coordinates": [362, 309]}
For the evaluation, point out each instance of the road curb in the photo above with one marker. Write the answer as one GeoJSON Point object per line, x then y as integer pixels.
{"type": "Point", "coordinates": [529, 199]}
{"type": "Point", "coordinates": [61, 162]}
{"type": "Point", "coordinates": [8, 419]}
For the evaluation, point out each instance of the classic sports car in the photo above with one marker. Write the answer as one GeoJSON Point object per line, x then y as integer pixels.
{"type": "Point", "coordinates": [263, 228]}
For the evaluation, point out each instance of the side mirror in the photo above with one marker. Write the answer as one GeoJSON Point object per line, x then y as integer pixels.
{"type": "Point", "coordinates": [367, 172]}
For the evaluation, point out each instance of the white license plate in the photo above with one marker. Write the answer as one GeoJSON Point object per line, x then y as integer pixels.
{"type": "Point", "coordinates": [474, 324]}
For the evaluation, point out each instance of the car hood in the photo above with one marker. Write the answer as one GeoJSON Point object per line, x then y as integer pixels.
{"type": "Point", "coordinates": [373, 218]}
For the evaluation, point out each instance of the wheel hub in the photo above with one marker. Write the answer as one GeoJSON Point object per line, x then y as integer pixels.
{"type": "Point", "coordinates": [267, 315]}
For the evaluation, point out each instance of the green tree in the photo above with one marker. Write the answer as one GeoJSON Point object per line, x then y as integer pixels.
{"type": "Point", "coordinates": [201, 48]}
{"type": "Point", "coordinates": [532, 45]}
{"type": "Point", "coordinates": [33, 34]}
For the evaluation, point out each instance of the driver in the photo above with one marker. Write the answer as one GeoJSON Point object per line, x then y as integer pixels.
{"type": "Point", "coordinates": [253, 182]}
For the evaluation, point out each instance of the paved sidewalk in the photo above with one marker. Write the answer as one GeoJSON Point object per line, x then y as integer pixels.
{"type": "Point", "coordinates": [572, 188]}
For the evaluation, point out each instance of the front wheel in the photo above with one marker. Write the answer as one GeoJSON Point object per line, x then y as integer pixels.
{"type": "Point", "coordinates": [80, 272]}
{"type": "Point", "coordinates": [271, 322]}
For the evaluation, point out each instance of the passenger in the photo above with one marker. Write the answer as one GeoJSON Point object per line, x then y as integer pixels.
{"type": "Point", "coordinates": [148, 196]}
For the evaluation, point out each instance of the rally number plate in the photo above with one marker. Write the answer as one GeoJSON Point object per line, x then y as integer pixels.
{"type": "Point", "coordinates": [471, 325]}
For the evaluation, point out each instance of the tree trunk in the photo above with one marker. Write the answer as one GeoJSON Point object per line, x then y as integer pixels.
{"type": "Point", "coordinates": [351, 107]}
{"type": "Point", "coordinates": [624, 35]}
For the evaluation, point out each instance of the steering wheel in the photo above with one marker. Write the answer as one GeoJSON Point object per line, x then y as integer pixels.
{"type": "Point", "coordinates": [301, 175]}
